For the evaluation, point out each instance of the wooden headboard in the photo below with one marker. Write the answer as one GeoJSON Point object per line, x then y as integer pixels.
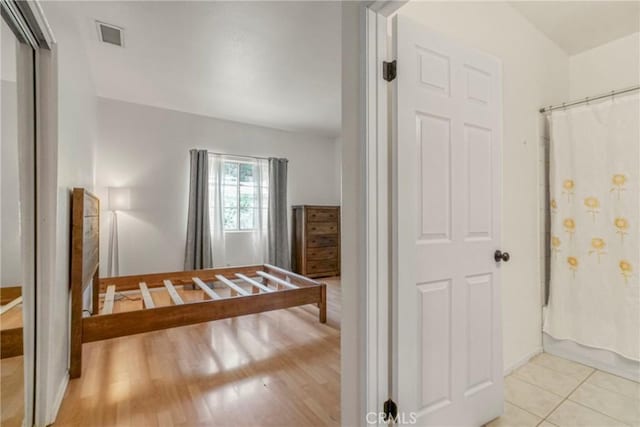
{"type": "Point", "coordinates": [85, 262]}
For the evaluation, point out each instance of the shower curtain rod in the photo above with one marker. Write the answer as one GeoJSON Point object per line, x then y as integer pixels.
{"type": "Point", "coordinates": [589, 99]}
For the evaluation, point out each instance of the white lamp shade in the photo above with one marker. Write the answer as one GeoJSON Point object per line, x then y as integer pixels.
{"type": "Point", "coordinates": [119, 199]}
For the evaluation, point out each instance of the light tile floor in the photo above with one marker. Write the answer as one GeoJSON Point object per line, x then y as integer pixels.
{"type": "Point", "coordinates": [551, 391]}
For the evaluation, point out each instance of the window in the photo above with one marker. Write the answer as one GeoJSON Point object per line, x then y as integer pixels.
{"type": "Point", "coordinates": [242, 185]}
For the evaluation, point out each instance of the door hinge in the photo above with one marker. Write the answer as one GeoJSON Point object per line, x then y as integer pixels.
{"type": "Point", "coordinates": [389, 70]}
{"type": "Point", "coordinates": [390, 409]}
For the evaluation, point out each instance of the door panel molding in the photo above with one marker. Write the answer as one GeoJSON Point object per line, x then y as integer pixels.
{"type": "Point", "coordinates": [447, 348]}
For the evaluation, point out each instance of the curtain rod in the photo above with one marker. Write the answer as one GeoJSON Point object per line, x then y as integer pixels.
{"type": "Point", "coordinates": [589, 99]}
{"type": "Point", "coordinates": [237, 155]}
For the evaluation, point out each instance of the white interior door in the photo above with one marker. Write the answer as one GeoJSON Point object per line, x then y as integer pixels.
{"type": "Point", "coordinates": [447, 338]}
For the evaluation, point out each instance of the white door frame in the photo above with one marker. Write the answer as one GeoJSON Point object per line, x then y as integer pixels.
{"type": "Point", "coordinates": [377, 126]}
{"type": "Point", "coordinates": [44, 151]}
{"type": "Point", "coordinates": [377, 171]}
{"type": "Point", "coordinates": [377, 208]}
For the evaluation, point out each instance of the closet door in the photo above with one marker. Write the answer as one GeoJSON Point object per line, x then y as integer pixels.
{"type": "Point", "coordinates": [17, 224]}
{"type": "Point", "coordinates": [447, 331]}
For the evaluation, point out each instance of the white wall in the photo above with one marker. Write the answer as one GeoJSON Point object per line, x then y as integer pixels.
{"type": "Point", "coordinates": [338, 162]}
{"type": "Point", "coordinates": [147, 149]}
{"type": "Point", "coordinates": [76, 167]}
{"type": "Point", "coordinates": [535, 73]}
{"type": "Point", "coordinates": [615, 65]}
{"type": "Point", "coordinates": [11, 264]}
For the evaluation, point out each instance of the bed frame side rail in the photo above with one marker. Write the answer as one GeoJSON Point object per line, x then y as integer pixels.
{"type": "Point", "coordinates": [115, 325]}
{"type": "Point", "coordinates": [301, 280]}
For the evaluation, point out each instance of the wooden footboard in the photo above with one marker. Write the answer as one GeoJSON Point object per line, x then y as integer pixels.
{"type": "Point", "coordinates": [252, 289]}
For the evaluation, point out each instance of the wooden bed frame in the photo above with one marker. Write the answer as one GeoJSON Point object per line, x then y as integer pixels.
{"type": "Point", "coordinates": [278, 289]}
{"type": "Point", "coordinates": [10, 338]}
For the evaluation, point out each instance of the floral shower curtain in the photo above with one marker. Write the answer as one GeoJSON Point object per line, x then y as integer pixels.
{"type": "Point", "coordinates": [595, 212]}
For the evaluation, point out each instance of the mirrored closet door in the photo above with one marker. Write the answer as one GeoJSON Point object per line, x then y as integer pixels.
{"type": "Point", "coordinates": [17, 225]}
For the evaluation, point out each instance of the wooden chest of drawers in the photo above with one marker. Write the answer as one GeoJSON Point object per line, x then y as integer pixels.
{"type": "Point", "coordinates": [315, 249]}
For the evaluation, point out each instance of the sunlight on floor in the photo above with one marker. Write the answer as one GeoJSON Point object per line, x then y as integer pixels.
{"type": "Point", "coordinates": [274, 368]}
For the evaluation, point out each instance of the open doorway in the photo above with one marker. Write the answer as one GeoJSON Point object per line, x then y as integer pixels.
{"type": "Point", "coordinates": [440, 61]}
{"type": "Point", "coordinates": [204, 139]}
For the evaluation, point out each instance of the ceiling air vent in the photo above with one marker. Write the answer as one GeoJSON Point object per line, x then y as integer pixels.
{"type": "Point", "coordinates": [110, 34]}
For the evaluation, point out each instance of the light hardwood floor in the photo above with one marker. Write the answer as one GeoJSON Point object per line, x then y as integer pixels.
{"type": "Point", "coordinates": [276, 368]}
{"type": "Point", "coordinates": [11, 377]}
{"type": "Point", "coordinates": [11, 392]}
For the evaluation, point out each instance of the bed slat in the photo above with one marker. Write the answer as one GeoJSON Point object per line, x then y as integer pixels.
{"type": "Point", "coordinates": [108, 300]}
{"type": "Point", "coordinates": [146, 296]}
{"type": "Point", "coordinates": [9, 294]}
{"type": "Point", "coordinates": [207, 290]}
{"type": "Point", "coordinates": [172, 292]}
{"type": "Point", "coordinates": [10, 305]}
{"type": "Point", "coordinates": [291, 275]}
{"type": "Point", "coordinates": [232, 285]}
{"type": "Point", "coordinates": [127, 283]}
{"type": "Point", "coordinates": [254, 283]}
{"type": "Point", "coordinates": [277, 280]}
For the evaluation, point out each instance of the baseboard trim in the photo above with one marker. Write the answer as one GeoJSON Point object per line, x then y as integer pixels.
{"type": "Point", "coordinates": [55, 407]}
{"type": "Point", "coordinates": [522, 361]}
{"type": "Point", "coordinates": [601, 359]}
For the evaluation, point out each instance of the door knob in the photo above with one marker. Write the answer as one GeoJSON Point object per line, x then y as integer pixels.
{"type": "Point", "coordinates": [501, 256]}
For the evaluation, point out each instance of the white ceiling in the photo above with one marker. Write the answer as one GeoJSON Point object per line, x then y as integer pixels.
{"type": "Point", "coordinates": [577, 26]}
{"type": "Point", "coordinates": [274, 64]}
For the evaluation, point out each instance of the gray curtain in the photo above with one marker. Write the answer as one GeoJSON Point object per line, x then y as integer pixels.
{"type": "Point", "coordinates": [278, 234]}
{"type": "Point", "coordinates": [198, 250]}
